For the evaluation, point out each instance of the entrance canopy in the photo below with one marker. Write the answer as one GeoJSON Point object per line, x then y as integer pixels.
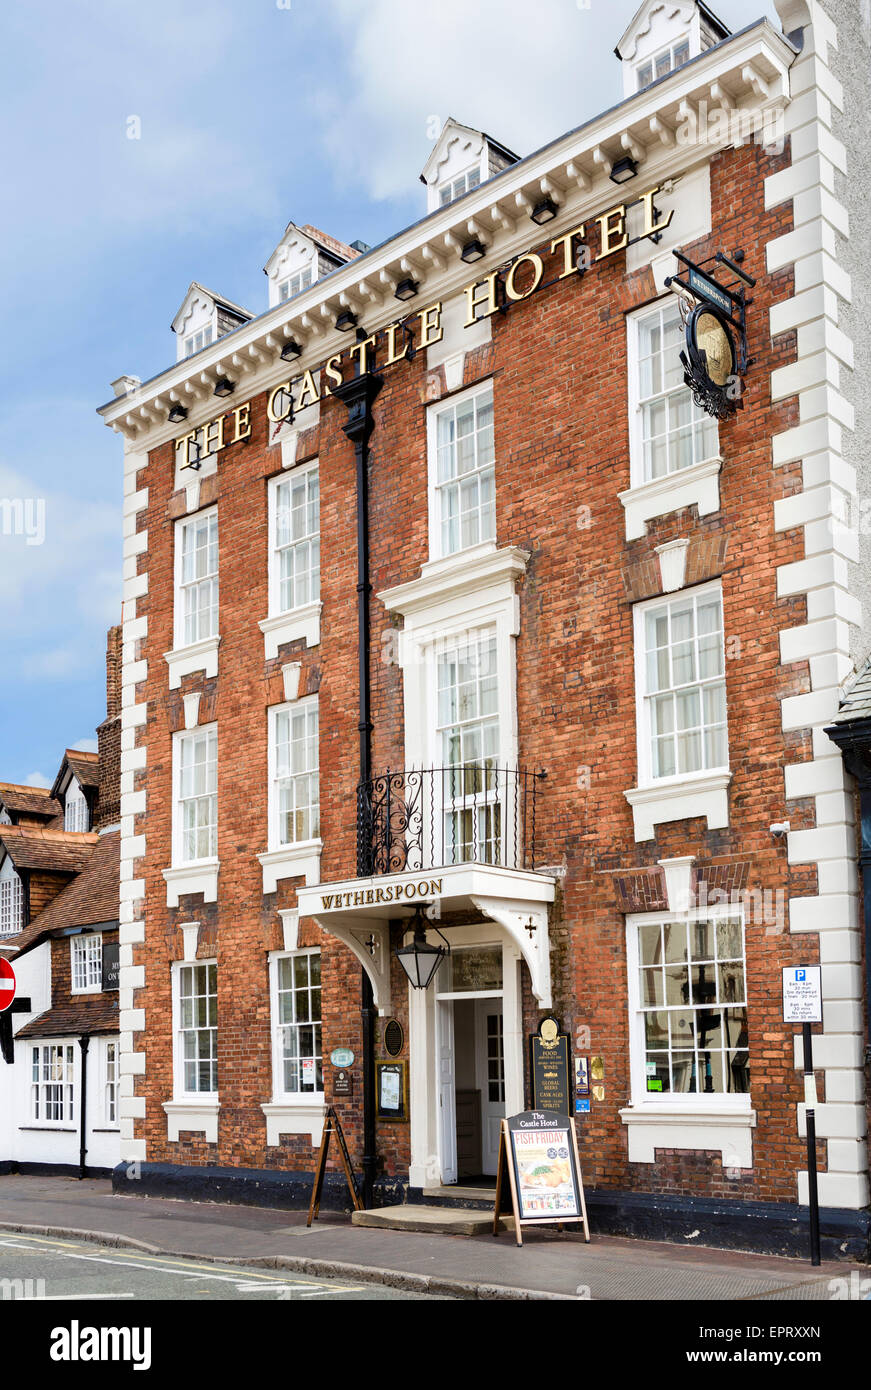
{"type": "Point", "coordinates": [359, 912]}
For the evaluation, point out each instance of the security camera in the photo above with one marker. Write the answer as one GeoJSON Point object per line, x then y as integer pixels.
{"type": "Point", "coordinates": [780, 829]}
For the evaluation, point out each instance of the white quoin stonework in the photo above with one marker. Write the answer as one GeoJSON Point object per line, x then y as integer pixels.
{"type": "Point", "coordinates": [133, 758]}
{"type": "Point", "coordinates": [823, 366]}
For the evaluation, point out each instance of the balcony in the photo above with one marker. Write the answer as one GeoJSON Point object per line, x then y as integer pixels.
{"type": "Point", "coordinates": [413, 821]}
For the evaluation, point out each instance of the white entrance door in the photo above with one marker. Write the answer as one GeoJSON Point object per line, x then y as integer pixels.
{"type": "Point", "coordinates": [446, 1089]}
{"type": "Point", "coordinates": [490, 1050]}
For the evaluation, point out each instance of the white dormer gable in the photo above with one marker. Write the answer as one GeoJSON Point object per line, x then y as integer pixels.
{"type": "Point", "coordinates": [663, 36]}
{"type": "Point", "coordinates": [204, 318]}
{"type": "Point", "coordinates": [461, 159]}
{"type": "Point", "coordinates": [292, 267]}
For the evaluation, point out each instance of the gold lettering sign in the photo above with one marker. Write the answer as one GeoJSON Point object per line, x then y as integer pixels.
{"type": "Point", "coordinates": [523, 278]}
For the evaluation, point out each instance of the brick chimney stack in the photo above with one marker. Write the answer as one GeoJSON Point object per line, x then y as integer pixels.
{"type": "Point", "coordinates": [108, 810]}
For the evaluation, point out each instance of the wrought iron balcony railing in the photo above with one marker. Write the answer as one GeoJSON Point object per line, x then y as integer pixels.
{"type": "Point", "coordinates": [430, 818]}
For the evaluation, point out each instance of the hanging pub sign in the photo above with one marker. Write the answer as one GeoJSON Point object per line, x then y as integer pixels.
{"type": "Point", "coordinates": [550, 1068]}
{"type": "Point", "coordinates": [539, 1163]}
{"type": "Point", "coordinates": [715, 357]}
{"type": "Point", "coordinates": [528, 273]}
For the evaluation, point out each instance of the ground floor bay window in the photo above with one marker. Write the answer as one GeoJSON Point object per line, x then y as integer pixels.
{"type": "Point", "coordinates": [689, 1036]}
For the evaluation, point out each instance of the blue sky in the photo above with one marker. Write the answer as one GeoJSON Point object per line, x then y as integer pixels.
{"type": "Point", "coordinates": [252, 113]}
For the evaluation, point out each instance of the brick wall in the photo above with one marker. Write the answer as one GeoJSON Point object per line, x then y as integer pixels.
{"type": "Point", "coordinates": [108, 809]}
{"type": "Point", "coordinates": [558, 366]}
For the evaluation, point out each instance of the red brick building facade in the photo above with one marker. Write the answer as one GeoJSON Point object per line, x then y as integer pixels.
{"type": "Point", "coordinates": [574, 572]}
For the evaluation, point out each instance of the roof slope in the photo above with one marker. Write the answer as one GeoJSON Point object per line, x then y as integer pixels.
{"type": "Point", "coordinates": [856, 703]}
{"type": "Point", "coordinates": [95, 1013]}
{"type": "Point", "coordinates": [32, 801]}
{"type": "Point", "coordinates": [91, 898]}
{"type": "Point", "coordinates": [84, 766]}
{"type": "Point", "coordinates": [53, 851]}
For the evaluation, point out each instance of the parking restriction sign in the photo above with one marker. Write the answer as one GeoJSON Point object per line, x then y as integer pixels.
{"type": "Point", "coordinates": [802, 994]}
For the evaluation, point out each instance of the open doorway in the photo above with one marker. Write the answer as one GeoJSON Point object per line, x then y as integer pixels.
{"type": "Point", "coordinates": [471, 1063]}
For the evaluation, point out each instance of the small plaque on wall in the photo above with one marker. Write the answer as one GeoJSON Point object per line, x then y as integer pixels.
{"type": "Point", "coordinates": [394, 1038]}
{"type": "Point", "coordinates": [343, 1083]}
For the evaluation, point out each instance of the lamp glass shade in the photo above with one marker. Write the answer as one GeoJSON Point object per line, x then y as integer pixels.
{"type": "Point", "coordinates": [406, 289]}
{"type": "Point", "coordinates": [545, 211]}
{"type": "Point", "coordinates": [177, 414]}
{"type": "Point", "coordinates": [473, 251]}
{"type": "Point", "coordinates": [290, 351]}
{"type": "Point", "coordinates": [623, 170]}
{"type": "Point", "coordinates": [224, 386]}
{"type": "Point", "coordinates": [346, 321]}
{"type": "Point", "coordinates": [420, 960]}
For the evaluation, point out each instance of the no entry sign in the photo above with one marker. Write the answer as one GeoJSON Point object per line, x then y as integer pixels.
{"type": "Point", "coordinates": [7, 984]}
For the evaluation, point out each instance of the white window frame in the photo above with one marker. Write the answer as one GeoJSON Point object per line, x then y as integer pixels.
{"type": "Point", "coordinates": [111, 1077]}
{"type": "Point", "coordinates": [299, 279]}
{"type": "Point", "coordinates": [450, 185]}
{"type": "Point", "coordinates": [435, 411]}
{"type": "Point", "coordinates": [191, 347]}
{"type": "Point", "coordinates": [651, 60]}
{"type": "Point", "coordinates": [178, 739]}
{"type": "Point", "coordinates": [76, 809]}
{"type": "Point", "coordinates": [68, 1083]}
{"type": "Point", "coordinates": [180, 1093]}
{"type": "Point", "coordinates": [638, 471]}
{"type": "Point", "coordinates": [276, 843]}
{"type": "Point", "coordinates": [644, 730]}
{"type": "Point", "coordinates": [288, 478]}
{"type": "Point", "coordinates": [11, 900]}
{"type": "Point", "coordinates": [181, 641]}
{"type": "Point", "coordinates": [279, 1095]}
{"type": "Point", "coordinates": [688, 1101]}
{"type": "Point", "coordinates": [86, 962]}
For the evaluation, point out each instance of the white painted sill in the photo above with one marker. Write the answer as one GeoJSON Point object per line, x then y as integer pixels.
{"type": "Point", "coordinates": [680, 798]}
{"type": "Point", "coordinates": [301, 860]}
{"type": "Point", "coordinates": [185, 661]}
{"type": "Point", "coordinates": [299, 623]}
{"type": "Point", "coordinates": [192, 1116]}
{"type": "Point", "coordinates": [294, 1115]}
{"type": "Point", "coordinates": [699, 484]}
{"type": "Point", "coordinates": [200, 876]}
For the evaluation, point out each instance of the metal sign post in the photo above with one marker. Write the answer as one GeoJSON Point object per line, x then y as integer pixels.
{"type": "Point", "coordinates": [803, 1003]}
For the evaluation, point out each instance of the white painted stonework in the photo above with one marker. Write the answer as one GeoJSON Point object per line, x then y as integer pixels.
{"type": "Point", "coordinates": [824, 357]}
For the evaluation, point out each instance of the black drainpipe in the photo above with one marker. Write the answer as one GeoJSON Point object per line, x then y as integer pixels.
{"type": "Point", "coordinates": [359, 395]}
{"type": "Point", "coordinates": [84, 1044]}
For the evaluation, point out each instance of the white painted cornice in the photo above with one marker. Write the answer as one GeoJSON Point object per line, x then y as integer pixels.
{"type": "Point", "coordinates": [574, 167]}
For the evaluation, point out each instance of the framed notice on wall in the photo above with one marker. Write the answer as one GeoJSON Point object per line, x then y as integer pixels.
{"type": "Point", "coordinates": [391, 1090]}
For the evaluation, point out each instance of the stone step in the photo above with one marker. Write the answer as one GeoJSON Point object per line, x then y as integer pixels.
{"type": "Point", "coordinates": [447, 1221]}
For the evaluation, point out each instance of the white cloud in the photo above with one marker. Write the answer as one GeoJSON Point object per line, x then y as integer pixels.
{"type": "Point", "coordinates": [38, 779]}
{"type": "Point", "coordinates": [85, 745]}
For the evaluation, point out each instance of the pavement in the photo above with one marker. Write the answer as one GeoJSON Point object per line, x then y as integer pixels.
{"type": "Point", "coordinates": [548, 1266]}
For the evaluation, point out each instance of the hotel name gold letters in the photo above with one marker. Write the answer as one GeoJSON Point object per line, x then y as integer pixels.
{"type": "Point", "coordinates": [523, 278]}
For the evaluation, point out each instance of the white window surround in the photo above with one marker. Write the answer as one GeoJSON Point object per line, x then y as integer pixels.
{"type": "Point", "coordinates": [469, 591]}
{"type": "Point", "coordinates": [648, 498]}
{"type": "Point", "coordinates": [187, 876]}
{"type": "Point", "coordinates": [53, 1074]}
{"type": "Point", "coordinates": [484, 391]}
{"type": "Point", "coordinates": [86, 963]}
{"type": "Point", "coordinates": [11, 899]}
{"type": "Point", "coordinates": [458, 184]}
{"type": "Point", "coordinates": [288, 1113]}
{"type": "Point", "coordinates": [657, 801]}
{"type": "Point", "coordinates": [300, 859]}
{"type": "Point", "coordinates": [76, 814]}
{"type": "Point", "coordinates": [687, 1121]}
{"type": "Point", "coordinates": [186, 658]}
{"type": "Point", "coordinates": [111, 1069]}
{"type": "Point", "coordinates": [194, 1112]}
{"type": "Point", "coordinates": [295, 624]}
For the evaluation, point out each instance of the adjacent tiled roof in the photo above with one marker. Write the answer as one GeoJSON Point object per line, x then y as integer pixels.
{"type": "Point", "coordinates": [90, 899]}
{"type": "Point", "coordinates": [856, 703]}
{"type": "Point", "coordinates": [330, 244]}
{"type": "Point", "coordinates": [53, 851]}
{"type": "Point", "coordinates": [85, 767]}
{"type": "Point", "coordinates": [30, 801]}
{"type": "Point", "coordinates": [93, 1013]}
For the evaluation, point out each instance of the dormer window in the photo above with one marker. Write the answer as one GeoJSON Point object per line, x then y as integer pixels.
{"type": "Point", "coordinates": [294, 285]}
{"type": "Point", "coordinates": [76, 816]}
{"type": "Point", "coordinates": [455, 188]}
{"type": "Point", "coordinates": [669, 60]}
{"type": "Point", "coordinates": [197, 341]}
{"type": "Point", "coordinates": [11, 900]}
